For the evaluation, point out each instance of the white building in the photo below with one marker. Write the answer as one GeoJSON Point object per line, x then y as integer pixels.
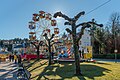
{"type": "Point", "coordinates": [18, 48]}
{"type": "Point", "coordinates": [86, 39]}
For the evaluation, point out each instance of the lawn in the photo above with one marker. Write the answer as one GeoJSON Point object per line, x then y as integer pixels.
{"type": "Point", "coordinates": [91, 71]}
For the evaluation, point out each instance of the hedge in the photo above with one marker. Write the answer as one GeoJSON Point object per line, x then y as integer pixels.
{"type": "Point", "coordinates": [106, 56]}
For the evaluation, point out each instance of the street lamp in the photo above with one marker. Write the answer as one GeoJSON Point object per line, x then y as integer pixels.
{"type": "Point", "coordinates": [115, 51]}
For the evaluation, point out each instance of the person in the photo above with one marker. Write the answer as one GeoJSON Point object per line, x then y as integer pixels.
{"type": "Point", "coordinates": [85, 52]}
{"type": "Point", "coordinates": [19, 59]}
{"type": "Point", "coordinates": [80, 51]}
{"type": "Point", "coordinates": [12, 57]}
{"type": "Point", "coordinates": [15, 58]}
{"type": "Point", "coordinates": [63, 54]}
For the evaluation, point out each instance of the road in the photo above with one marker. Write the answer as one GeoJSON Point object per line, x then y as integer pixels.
{"type": "Point", "coordinates": [8, 71]}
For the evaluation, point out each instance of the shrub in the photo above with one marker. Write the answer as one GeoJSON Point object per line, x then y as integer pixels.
{"type": "Point", "coordinates": [106, 56]}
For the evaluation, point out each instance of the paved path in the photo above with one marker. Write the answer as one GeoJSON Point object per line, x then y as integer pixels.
{"type": "Point", "coordinates": [8, 71]}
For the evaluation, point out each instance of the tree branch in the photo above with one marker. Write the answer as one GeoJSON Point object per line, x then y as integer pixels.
{"type": "Point", "coordinates": [78, 15]}
{"type": "Point", "coordinates": [34, 44]}
{"type": "Point", "coordinates": [101, 25]}
{"type": "Point", "coordinates": [68, 30]}
{"type": "Point", "coordinates": [55, 43]}
{"type": "Point", "coordinates": [62, 15]}
{"type": "Point", "coordinates": [52, 36]}
{"type": "Point", "coordinates": [45, 36]}
{"type": "Point", "coordinates": [84, 25]}
{"type": "Point", "coordinates": [67, 23]}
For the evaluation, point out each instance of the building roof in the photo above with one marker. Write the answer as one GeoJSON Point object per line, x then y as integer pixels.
{"type": "Point", "coordinates": [19, 46]}
{"type": "Point", "coordinates": [1, 52]}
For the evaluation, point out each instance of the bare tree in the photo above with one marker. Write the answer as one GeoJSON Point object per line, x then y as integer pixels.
{"type": "Point", "coordinates": [114, 24]}
{"type": "Point", "coordinates": [72, 23]}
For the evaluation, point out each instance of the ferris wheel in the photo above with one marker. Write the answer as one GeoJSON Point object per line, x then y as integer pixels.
{"type": "Point", "coordinates": [42, 23]}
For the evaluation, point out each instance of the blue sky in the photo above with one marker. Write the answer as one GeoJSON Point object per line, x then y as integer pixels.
{"type": "Point", "coordinates": [15, 14]}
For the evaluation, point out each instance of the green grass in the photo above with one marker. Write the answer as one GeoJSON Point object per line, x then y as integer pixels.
{"type": "Point", "coordinates": [91, 71]}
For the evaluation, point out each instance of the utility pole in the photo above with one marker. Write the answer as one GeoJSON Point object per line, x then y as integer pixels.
{"type": "Point", "coordinates": [72, 23]}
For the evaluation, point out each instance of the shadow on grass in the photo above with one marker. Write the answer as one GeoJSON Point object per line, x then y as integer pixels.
{"type": "Point", "coordinates": [41, 64]}
{"type": "Point", "coordinates": [46, 72]}
{"type": "Point", "coordinates": [92, 71]}
{"type": "Point", "coordinates": [66, 71]}
{"type": "Point", "coordinates": [32, 63]}
{"type": "Point", "coordinates": [8, 64]}
{"type": "Point", "coordinates": [104, 63]}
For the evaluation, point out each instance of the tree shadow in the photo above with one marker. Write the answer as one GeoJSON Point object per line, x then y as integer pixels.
{"type": "Point", "coordinates": [104, 63]}
{"type": "Point", "coordinates": [8, 65]}
{"type": "Point", "coordinates": [92, 71]}
{"type": "Point", "coordinates": [66, 71]}
{"type": "Point", "coordinates": [32, 63]}
{"type": "Point", "coordinates": [41, 64]}
{"type": "Point", "coordinates": [46, 72]}
{"type": "Point", "coordinates": [2, 70]}
{"type": "Point", "coordinates": [13, 71]}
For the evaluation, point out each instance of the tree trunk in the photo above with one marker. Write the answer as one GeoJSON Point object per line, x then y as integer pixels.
{"type": "Point", "coordinates": [77, 58]}
{"type": "Point", "coordinates": [38, 53]}
{"type": "Point", "coordinates": [49, 48]}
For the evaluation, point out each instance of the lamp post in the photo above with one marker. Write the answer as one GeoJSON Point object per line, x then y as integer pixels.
{"type": "Point", "coordinates": [72, 22]}
{"type": "Point", "coordinates": [115, 51]}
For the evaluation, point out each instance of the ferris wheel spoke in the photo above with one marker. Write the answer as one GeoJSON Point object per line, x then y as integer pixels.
{"type": "Point", "coordinates": [42, 23]}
